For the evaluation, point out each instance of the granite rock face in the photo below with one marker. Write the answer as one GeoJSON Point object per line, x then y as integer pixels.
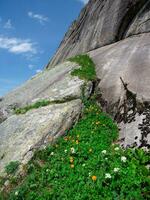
{"type": "Point", "coordinates": [100, 23]}
{"type": "Point", "coordinates": [141, 23]}
{"type": "Point", "coordinates": [21, 135]}
{"type": "Point", "coordinates": [124, 71]}
{"type": "Point", "coordinates": [55, 84]}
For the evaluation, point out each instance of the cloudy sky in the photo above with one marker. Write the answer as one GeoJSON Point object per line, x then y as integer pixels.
{"type": "Point", "coordinates": [30, 32]}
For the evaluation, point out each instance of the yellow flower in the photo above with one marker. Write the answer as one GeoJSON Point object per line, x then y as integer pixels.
{"type": "Point", "coordinates": [78, 136]}
{"type": "Point", "coordinates": [72, 166]}
{"type": "Point", "coordinates": [94, 178]}
{"type": "Point", "coordinates": [71, 160]}
{"type": "Point", "coordinates": [65, 138]}
{"type": "Point", "coordinates": [77, 141]}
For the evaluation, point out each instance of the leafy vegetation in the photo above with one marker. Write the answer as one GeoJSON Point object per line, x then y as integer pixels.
{"type": "Point", "coordinates": [87, 69]}
{"type": "Point", "coordinates": [86, 164]}
{"type": "Point", "coordinates": [41, 103]}
{"type": "Point", "coordinates": [12, 167]}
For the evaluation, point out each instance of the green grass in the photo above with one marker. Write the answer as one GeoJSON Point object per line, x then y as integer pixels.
{"type": "Point", "coordinates": [12, 167]}
{"type": "Point", "coordinates": [84, 165]}
{"type": "Point", "coordinates": [36, 105]}
{"type": "Point", "coordinates": [87, 69]}
{"type": "Point", "coordinates": [39, 104]}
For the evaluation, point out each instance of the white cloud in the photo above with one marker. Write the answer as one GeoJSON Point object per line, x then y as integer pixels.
{"type": "Point", "coordinates": [40, 18]}
{"type": "Point", "coordinates": [17, 46]}
{"type": "Point", "coordinates": [8, 24]}
{"type": "Point", "coordinates": [84, 1]}
{"type": "Point", "coordinates": [38, 71]}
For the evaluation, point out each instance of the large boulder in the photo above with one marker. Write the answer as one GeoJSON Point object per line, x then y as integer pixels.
{"type": "Point", "coordinates": [56, 84]}
{"type": "Point", "coordinates": [101, 23]}
{"type": "Point", "coordinates": [123, 69]}
{"type": "Point", "coordinates": [21, 135]}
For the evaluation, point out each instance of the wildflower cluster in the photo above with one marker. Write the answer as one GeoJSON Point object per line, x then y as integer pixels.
{"type": "Point", "coordinates": [85, 165]}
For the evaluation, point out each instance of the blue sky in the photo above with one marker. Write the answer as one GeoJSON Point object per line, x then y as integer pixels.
{"type": "Point", "coordinates": [30, 32]}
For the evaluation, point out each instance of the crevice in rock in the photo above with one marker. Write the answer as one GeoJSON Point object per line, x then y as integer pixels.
{"type": "Point", "coordinates": [129, 17]}
{"type": "Point", "coordinates": [128, 109]}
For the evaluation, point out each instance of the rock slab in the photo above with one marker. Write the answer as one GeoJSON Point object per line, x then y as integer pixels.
{"type": "Point", "coordinates": [21, 135]}
{"type": "Point", "coordinates": [124, 71]}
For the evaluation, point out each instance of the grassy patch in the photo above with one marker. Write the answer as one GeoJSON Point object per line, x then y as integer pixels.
{"type": "Point", "coordinates": [12, 167]}
{"type": "Point", "coordinates": [40, 104]}
{"type": "Point", "coordinates": [84, 165]}
{"type": "Point", "coordinates": [87, 69]}
{"type": "Point", "coordinates": [36, 105]}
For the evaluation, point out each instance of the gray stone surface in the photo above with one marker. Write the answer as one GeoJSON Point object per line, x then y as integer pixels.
{"type": "Point", "coordinates": [128, 59]}
{"type": "Point", "coordinates": [100, 23]}
{"type": "Point", "coordinates": [54, 84]}
{"type": "Point", "coordinates": [21, 135]}
{"type": "Point", "coordinates": [126, 99]}
{"type": "Point", "coordinates": [141, 23]}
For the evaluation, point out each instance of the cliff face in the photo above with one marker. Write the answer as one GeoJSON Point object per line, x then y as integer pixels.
{"type": "Point", "coordinates": [115, 33]}
{"type": "Point", "coordinates": [103, 22]}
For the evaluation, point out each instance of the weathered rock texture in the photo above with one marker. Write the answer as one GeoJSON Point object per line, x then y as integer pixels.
{"type": "Point", "coordinates": [124, 71]}
{"type": "Point", "coordinates": [103, 22]}
{"type": "Point", "coordinates": [54, 84]}
{"type": "Point", "coordinates": [21, 135]}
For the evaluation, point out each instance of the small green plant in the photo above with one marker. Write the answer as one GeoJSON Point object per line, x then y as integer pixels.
{"type": "Point", "coordinates": [39, 104]}
{"type": "Point", "coordinates": [87, 69]}
{"type": "Point", "coordinates": [12, 167]}
{"type": "Point", "coordinates": [36, 105]}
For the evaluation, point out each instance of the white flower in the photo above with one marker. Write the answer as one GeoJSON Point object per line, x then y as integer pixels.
{"type": "Point", "coordinates": [104, 152]}
{"type": "Point", "coordinates": [106, 158]}
{"type": "Point", "coordinates": [83, 165]}
{"type": "Point", "coordinates": [16, 193]}
{"type": "Point", "coordinates": [52, 153]}
{"type": "Point", "coordinates": [117, 149]}
{"type": "Point", "coordinates": [72, 150]}
{"type": "Point", "coordinates": [89, 173]}
{"type": "Point", "coordinates": [116, 169]}
{"type": "Point", "coordinates": [123, 159]}
{"type": "Point", "coordinates": [47, 170]}
{"type": "Point", "coordinates": [107, 175]}
{"type": "Point", "coordinates": [65, 150]}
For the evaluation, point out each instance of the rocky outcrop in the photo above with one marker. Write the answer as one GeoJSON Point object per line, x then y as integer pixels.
{"type": "Point", "coordinates": [103, 22]}
{"type": "Point", "coordinates": [55, 84]}
{"type": "Point", "coordinates": [21, 135]}
{"type": "Point", "coordinates": [124, 71]}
